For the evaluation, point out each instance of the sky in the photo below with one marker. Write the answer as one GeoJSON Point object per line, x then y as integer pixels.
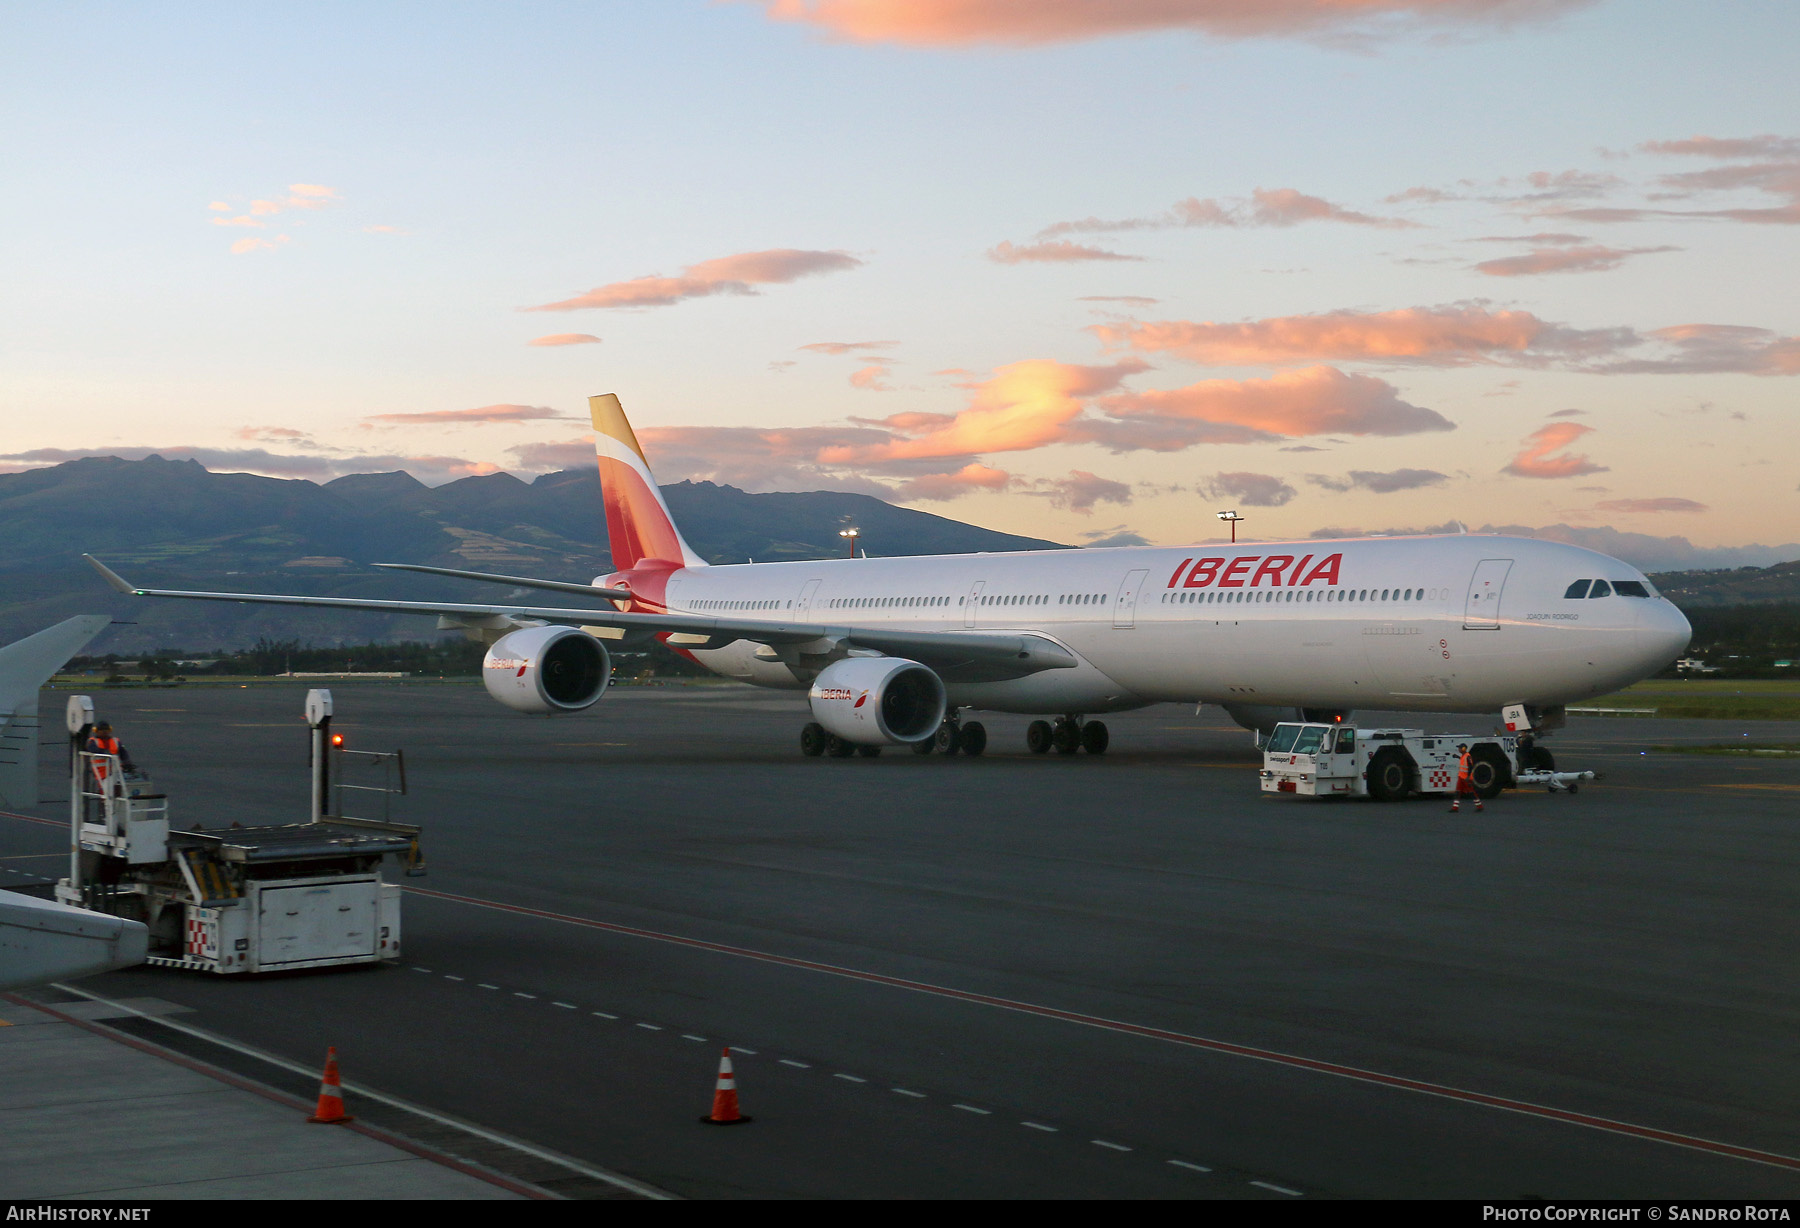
{"type": "Point", "coordinates": [1090, 270]}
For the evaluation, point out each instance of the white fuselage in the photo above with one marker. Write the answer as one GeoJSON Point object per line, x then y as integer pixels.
{"type": "Point", "coordinates": [1452, 623]}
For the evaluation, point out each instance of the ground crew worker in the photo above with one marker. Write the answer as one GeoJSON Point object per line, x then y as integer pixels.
{"type": "Point", "coordinates": [1465, 782]}
{"type": "Point", "coordinates": [102, 742]}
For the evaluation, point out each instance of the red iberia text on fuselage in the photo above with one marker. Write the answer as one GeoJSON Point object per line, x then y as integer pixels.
{"type": "Point", "coordinates": [1238, 572]}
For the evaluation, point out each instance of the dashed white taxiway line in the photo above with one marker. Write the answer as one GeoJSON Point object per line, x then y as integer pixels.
{"type": "Point", "coordinates": [797, 1064]}
{"type": "Point", "coordinates": [1295, 1061]}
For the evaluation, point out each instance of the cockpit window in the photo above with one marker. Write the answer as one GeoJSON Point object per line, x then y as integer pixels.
{"type": "Point", "coordinates": [1577, 590]}
{"type": "Point", "coordinates": [1310, 737]}
{"type": "Point", "coordinates": [1283, 741]}
{"type": "Point", "coordinates": [1630, 588]}
{"type": "Point", "coordinates": [1601, 589]}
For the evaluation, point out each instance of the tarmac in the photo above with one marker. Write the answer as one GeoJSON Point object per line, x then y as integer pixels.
{"type": "Point", "coordinates": [1018, 976]}
{"type": "Point", "coordinates": [89, 1114]}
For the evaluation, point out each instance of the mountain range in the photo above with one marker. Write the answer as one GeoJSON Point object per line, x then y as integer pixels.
{"type": "Point", "coordinates": [174, 524]}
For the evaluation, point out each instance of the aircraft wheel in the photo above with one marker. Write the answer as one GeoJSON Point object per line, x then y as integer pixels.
{"type": "Point", "coordinates": [812, 739]}
{"type": "Point", "coordinates": [1094, 737]}
{"type": "Point", "coordinates": [949, 738]}
{"type": "Point", "coordinates": [869, 752]}
{"type": "Point", "coordinates": [838, 748]}
{"type": "Point", "coordinates": [925, 747]}
{"type": "Point", "coordinates": [1037, 737]}
{"type": "Point", "coordinates": [1065, 736]}
{"type": "Point", "coordinates": [973, 738]}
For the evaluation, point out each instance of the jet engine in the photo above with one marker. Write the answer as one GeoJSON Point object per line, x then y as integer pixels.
{"type": "Point", "coordinates": [1261, 719]}
{"type": "Point", "coordinates": [871, 700]}
{"type": "Point", "coordinates": [547, 670]}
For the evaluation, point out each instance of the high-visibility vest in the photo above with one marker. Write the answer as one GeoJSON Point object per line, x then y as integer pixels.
{"type": "Point", "coordinates": [1463, 766]}
{"type": "Point", "coordinates": [98, 745]}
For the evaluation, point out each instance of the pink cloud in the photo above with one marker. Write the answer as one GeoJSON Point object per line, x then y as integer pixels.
{"type": "Point", "coordinates": [1535, 460]}
{"type": "Point", "coordinates": [1589, 259]}
{"type": "Point", "coordinates": [565, 339]}
{"type": "Point", "coordinates": [1312, 401]}
{"type": "Point", "coordinates": [250, 245]}
{"type": "Point", "coordinates": [847, 347]}
{"type": "Point", "coordinates": [939, 487]}
{"type": "Point", "coordinates": [1025, 405]}
{"type": "Point", "coordinates": [726, 275]}
{"type": "Point", "coordinates": [1051, 252]}
{"type": "Point", "coordinates": [1645, 506]}
{"type": "Point", "coordinates": [1010, 23]}
{"type": "Point", "coordinates": [482, 416]}
{"type": "Point", "coordinates": [1266, 207]}
{"type": "Point", "coordinates": [870, 378]}
{"type": "Point", "coordinates": [1713, 349]}
{"type": "Point", "coordinates": [1433, 336]}
{"type": "Point", "coordinates": [1765, 146]}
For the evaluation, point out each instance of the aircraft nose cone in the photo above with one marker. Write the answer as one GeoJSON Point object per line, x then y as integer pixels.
{"type": "Point", "coordinates": [1663, 633]}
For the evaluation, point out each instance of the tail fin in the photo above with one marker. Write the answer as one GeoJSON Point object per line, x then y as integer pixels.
{"type": "Point", "coordinates": [638, 524]}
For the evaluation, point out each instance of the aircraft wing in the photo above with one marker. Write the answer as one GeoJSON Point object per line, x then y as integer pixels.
{"type": "Point", "coordinates": [958, 656]}
{"type": "Point", "coordinates": [25, 665]}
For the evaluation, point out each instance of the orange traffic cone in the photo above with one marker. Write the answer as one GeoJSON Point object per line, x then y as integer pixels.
{"type": "Point", "coordinates": [725, 1105]}
{"type": "Point", "coordinates": [331, 1094]}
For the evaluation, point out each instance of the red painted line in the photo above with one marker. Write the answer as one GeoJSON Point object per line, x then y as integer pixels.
{"type": "Point", "coordinates": [281, 1098]}
{"type": "Point", "coordinates": [1400, 1082]}
{"type": "Point", "coordinates": [32, 818]}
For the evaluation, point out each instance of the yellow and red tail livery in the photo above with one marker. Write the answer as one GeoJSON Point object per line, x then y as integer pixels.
{"type": "Point", "coordinates": [638, 525]}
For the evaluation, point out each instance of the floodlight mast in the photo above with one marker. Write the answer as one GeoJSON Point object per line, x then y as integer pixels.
{"type": "Point", "coordinates": [1233, 517]}
{"type": "Point", "coordinates": [850, 535]}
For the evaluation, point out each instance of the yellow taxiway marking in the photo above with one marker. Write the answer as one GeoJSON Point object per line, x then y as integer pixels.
{"type": "Point", "coordinates": [267, 725]}
{"type": "Point", "coordinates": [1780, 788]}
{"type": "Point", "coordinates": [590, 744]}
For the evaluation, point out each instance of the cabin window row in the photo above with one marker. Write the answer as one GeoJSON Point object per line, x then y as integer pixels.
{"type": "Point", "coordinates": [1291, 596]}
{"type": "Point", "coordinates": [885, 603]}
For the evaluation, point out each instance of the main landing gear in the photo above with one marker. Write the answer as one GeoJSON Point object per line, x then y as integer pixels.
{"type": "Point", "coordinates": [955, 737]}
{"type": "Point", "coordinates": [1067, 735]}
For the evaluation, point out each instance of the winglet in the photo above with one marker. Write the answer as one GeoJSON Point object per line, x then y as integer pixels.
{"type": "Point", "coordinates": [109, 575]}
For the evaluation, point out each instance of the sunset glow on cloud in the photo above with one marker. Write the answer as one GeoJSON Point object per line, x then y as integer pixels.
{"type": "Point", "coordinates": [1059, 252]}
{"type": "Point", "coordinates": [1439, 336]}
{"type": "Point", "coordinates": [1312, 401]}
{"type": "Point", "coordinates": [954, 23]}
{"type": "Point", "coordinates": [1537, 460]}
{"type": "Point", "coordinates": [555, 339]}
{"type": "Point", "coordinates": [485, 415]}
{"type": "Point", "coordinates": [738, 274]}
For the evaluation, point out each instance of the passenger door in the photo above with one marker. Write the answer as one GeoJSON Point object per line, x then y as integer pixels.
{"type": "Point", "coordinates": [974, 600]}
{"type": "Point", "coordinates": [803, 607]}
{"type": "Point", "coordinates": [1125, 603]}
{"type": "Point", "coordinates": [1482, 610]}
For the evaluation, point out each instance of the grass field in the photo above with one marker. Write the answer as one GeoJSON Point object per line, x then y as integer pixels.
{"type": "Point", "coordinates": [1698, 698]}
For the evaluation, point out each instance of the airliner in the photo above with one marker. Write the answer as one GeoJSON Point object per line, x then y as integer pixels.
{"type": "Point", "coordinates": [894, 651]}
